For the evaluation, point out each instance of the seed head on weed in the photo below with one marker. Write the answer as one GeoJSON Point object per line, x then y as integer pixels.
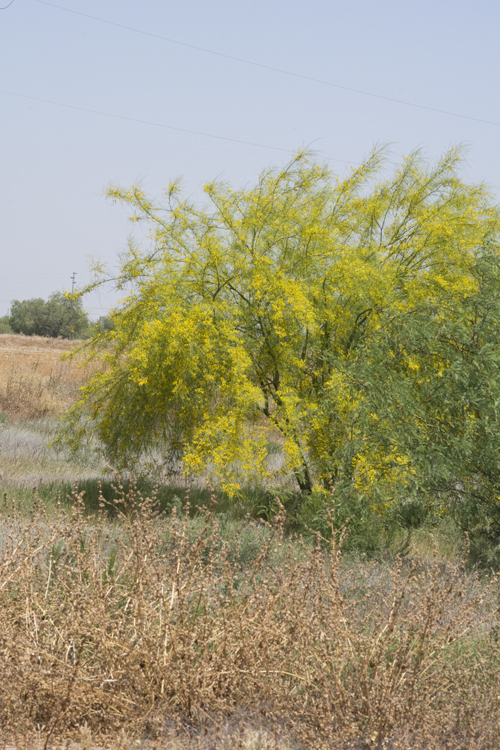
{"type": "Point", "coordinates": [148, 619]}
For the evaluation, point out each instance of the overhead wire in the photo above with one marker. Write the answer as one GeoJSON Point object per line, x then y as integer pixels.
{"type": "Point", "coordinates": [268, 67]}
{"type": "Point", "coordinates": [160, 125]}
{"type": "Point", "coordinates": [178, 129]}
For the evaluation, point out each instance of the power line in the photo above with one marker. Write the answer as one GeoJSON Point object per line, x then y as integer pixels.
{"type": "Point", "coordinates": [7, 6]}
{"type": "Point", "coordinates": [159, 124]}
{"type": "Point", "coordinates": [171, 127]}
{"type": "Point", "coordinates": [269, 67]}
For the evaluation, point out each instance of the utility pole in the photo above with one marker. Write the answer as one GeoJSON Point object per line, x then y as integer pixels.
{"type": "Point", "coordinates": [73, 282]}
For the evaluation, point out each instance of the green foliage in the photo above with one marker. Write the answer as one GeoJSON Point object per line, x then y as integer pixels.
{"type": "Point", "coordinates": [104, 323]}
{"type": "Point", "coordinates": [5, 325]}
{"type": "Point", "coordinates": [353, 322]}
{"type": "Point", "coordinates": [166, 496]}
{"type": "Point", "coordinates": [61, 316]}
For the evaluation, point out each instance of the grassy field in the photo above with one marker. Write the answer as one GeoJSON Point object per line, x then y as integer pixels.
{"type": "Point", "coordinates": [143, 616]}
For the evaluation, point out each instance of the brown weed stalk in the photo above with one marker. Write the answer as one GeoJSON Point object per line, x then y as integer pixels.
{"type": "Point", "coordinates": [156, 621]}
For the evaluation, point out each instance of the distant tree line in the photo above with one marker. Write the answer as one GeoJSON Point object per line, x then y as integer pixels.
{"type": "Point", "coordinates": [59, 316]}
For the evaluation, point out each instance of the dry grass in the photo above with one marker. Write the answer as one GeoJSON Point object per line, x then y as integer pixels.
{"type": "Point", "coordinates": [38, 343]}
{"type": "Point", "coordinates": [34, 382]}
{"type": "Point", "coordinates": [35, 387]}
{"type": "Point", "coordinates": [163, 629]}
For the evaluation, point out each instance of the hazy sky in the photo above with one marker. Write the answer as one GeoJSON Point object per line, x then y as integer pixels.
{"type": "Point", "coordinates": [56, 161]}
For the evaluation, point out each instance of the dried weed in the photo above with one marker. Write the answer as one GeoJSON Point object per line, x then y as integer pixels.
{"type": "Point", "coordinates": [157, 627]}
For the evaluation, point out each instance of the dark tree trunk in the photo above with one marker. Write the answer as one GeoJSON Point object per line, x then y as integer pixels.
{"type": "Point", "coordinates": [304, 481]}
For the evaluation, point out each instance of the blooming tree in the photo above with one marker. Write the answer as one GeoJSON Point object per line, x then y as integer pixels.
{"type": "Point", "coordinates": [352, 320]}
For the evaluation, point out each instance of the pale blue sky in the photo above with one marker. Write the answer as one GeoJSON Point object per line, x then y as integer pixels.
{"type": "Point", "coordinates": [55, 161]}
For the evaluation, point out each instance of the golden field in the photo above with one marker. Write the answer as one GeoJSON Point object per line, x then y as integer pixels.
{"type": "Point", "coordinates": [35, 379]}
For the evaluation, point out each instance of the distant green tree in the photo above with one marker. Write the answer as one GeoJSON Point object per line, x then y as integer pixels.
{"type": "Point", "coordinates": [59, 316]}
{"type": "Point", "coordinates": [5, 325]}
{"type": "Point", "coordinates": [26, 316]}
{"type": "Point", "coordinates": [107, 323]}
{"type": "Point", "coordinates": [104, 323]}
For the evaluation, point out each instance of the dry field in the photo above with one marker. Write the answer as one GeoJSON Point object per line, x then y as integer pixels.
{"type": "Point", "coordinates": [34, 380]}
{"type": "Point", "coordinates": [36, 386]}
